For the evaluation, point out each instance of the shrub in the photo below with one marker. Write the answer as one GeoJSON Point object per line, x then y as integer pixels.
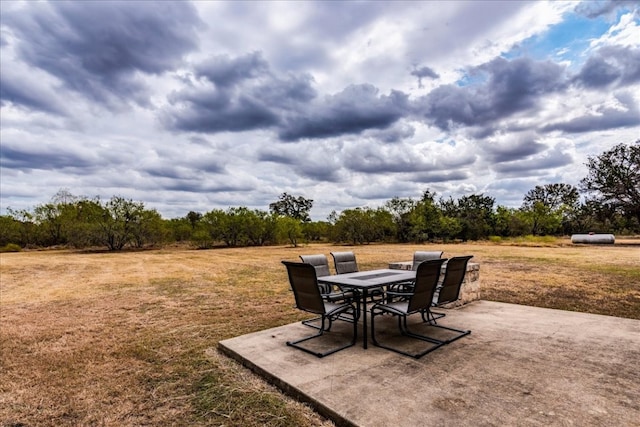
{"type": "Point", "coordinates": [10, 247]}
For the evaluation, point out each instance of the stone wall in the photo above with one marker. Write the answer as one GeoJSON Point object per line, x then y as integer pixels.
{"type": "Point", "coordinates": [470, 290]}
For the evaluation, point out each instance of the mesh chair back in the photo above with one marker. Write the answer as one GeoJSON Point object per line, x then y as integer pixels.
{"type": "Point", "coordinates": [304, 284]}
{"type": "Point", "coordinates": [427, 277]}
{"type": "Point", "coordinates": [454, 275]}
{"type": "Point", "coordinates": [319, 262]}
{"type": "Point", "coordinates": [420, 256]}
{"type": "Point", "coordinates": [345, 262]}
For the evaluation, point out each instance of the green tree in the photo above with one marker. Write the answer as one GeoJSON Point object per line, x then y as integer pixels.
{"type": "Point", "coordinates": [385, 227]}
{"type": "Point", "coordinates": [476, 216]}
{"type": "Point", "coordinates": [402, 212]}
{"type": "Point", "coordinates": [316, 231]}
{"type": "Point", "coordinates": [85, 228]}
{"type": "Point", "coordinates": [235, 232]}
{"type": "Point", "coordinates": [363, 225]}
{"type": "Point", "coordinates": [554, 196]}
{"type": "Point", "coordinates": [293, 207]}
{"type": "Point", "coordinates": [211, 228]}
{"type": "Point", "coordinates": [260, 227]}
{"type": "Point", "coordinates": [448, 227]}
{"type": "Point", "coordinates": [613, 180]}
{"type": "Point", "coordinates": [56, 218]}
{"type": "Point", "coordinates": [290, 229]}
{"type": "Point", "coordinates": [550, 206]}
{"type": "Point", "coordinates": [350, 226]}
{"type": "Point", "coordinates": [511, 222]}
{"type": "Point", "coordinates": [50, 220]}
{"type": "Point", "coordinates": [118, 221]}
{"type": "Point", "coordinates": [148, 229]}
{"type": "Point", "coordinates": [28, 229]}
{"type": "Point", "coordinates": [193, 218]}
{"type": "Point", "coordinates": [10, 231]}
{"type": "Point", "coordinates": [423, 219]}
{"type": "Point", "coordinates": [181, 229]}
{"type": "Point", "coordinates": [542, 219]}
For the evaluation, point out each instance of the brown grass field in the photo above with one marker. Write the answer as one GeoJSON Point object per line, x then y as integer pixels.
{"type": "Point", "coordinates": [129, 339]}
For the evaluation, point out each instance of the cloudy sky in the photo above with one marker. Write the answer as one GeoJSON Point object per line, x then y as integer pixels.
{"type": "Point", "coordinates": [201, 105]}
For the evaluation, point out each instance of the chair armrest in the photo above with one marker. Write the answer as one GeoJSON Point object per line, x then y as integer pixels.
{"type": "Point", "coordinates": [401, 287]}
{"type": "Point", "coordinates": [338, 296]}
{"type": "Point", "coordinates": [400, 294]}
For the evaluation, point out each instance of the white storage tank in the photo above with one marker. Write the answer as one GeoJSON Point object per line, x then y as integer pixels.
{"type": "Point", "coordinates": [602, 239]}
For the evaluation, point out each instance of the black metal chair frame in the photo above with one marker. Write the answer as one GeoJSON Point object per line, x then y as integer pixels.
{"type": "Point", "coordinates": [321, 263]}
{"type": "Point", "coordinates": [449, 291]}
{"type": "Point", "coordinates": [420, 299]}
{"type": "Point", "coordinates": [304, 284]}
{"type": "Point", "coordinates": [403, 289]}
{"type": "Point", "coordinates": [345, 262]}
{"type": "Point", "coordinates": [421, 256]}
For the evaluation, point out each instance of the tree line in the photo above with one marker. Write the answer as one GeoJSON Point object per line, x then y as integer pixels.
{"type": "Point", "coordinates": [611, 204]}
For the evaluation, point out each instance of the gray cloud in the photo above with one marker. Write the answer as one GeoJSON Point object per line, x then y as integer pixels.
{"type": "Point", "coordinates": [371, 161]}
{"type": "Point", "coordinates": [440, 176]}
{"type": "Point", "coordinates": [317, 164]}
{"type": "Point", "coordinates": [375, 159]}
{"type": "Point", "coordinates": [190, 171]}
{"type": "Point", "coordinates": [355, 109]}
{"type": "Point", "coordinates": [611, 66]}
{"type": "Point", "coordinates": [507, 87]}
{"type": "Point", "coordinates": [422, 72]}
{"type": "Point", "coordinates": [452, 26]}
{"type": "Point", "coordinates": [516, 147]}
{"type": "Point", "coordinates": [595, 9]}
{"type": "Point", "coordinates": [18, 90]}
{"type": "Point", "coordinates": [605, 118]}
{"type": "Point", "coordinates": [242, 93]}
{"type": "Point", "coordinates": [550, 159]}
{"type": "Point", "coordinates": [238, 94]}
{"type": "Point", "coordinates": [42, 158]}
{"type": "Point", "coordinates": [425, 72]}
{"type": "Point", "coordinates": [395, 133]}
{"type": "Point", "coordinates": [226, 72]}
{"type": "Point", "coordinates": [96, 48]}
{"type": "Point", "coordinates": [192, 186]}
{"type": "Point", "coordinates": [209, 110]}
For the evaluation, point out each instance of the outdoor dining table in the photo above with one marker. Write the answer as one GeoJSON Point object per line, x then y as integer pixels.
{"type": "Point", "coordinates": [362, 281]}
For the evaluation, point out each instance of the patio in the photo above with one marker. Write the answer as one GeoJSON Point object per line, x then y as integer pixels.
{"type": "Point", "coordinates": [520, 366]}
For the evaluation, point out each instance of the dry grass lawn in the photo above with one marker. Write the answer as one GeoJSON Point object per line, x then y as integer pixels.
{"type": "Point", "coordinates": [128, 339]}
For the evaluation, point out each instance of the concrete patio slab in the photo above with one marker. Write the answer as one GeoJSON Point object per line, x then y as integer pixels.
{"type": "Point", "coordinates": [521, 366]}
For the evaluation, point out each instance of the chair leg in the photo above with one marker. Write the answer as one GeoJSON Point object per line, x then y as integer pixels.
{"type": "Point", "coordinates": [431, 319]}
{"type": "Point", "coordinates": [321, 331]}
{"type": "Point", "coordinates": [310, 323]}
{"type": "Point", "coordinates": [404, 330]}
{"type": "Point", "coordinates": [435, 315]}
{"type": "Point", "coordinates": [431, 316]}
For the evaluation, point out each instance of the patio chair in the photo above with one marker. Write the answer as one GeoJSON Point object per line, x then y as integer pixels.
{"type": "Point", "coordinates": [447, 292]}
{"type": "Point", "coordinates": [407, 287]}
{"type": "Point", "coordinates": [304, 284]}
{"type": "Point", "coordinates": [345, 262]}
{"type": "Point", "coordinates": [418, 301]}
{"type": "Point", "coordinates": [420, 256]}
{"type": "Point", "coordinates": [321, 265]}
